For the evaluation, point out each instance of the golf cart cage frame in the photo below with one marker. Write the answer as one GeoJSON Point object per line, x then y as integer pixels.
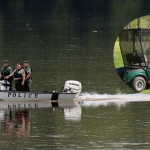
{"type": "Point", "coordinates": [135, 47]}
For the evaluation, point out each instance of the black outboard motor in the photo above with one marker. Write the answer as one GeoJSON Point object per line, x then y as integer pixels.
{"type": "Point", "coordinates": [54, 97]}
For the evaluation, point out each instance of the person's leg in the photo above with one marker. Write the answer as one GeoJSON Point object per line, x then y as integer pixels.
{"type": "Point", "coordinates": [25, 87]}
{"type": "Point", "coordinates": [18, 85]}
{"type": "Point", "coordinates": [29, 84]}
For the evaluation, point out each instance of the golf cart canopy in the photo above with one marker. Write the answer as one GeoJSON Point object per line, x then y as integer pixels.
{"type": "Point", "coordinates": [135, 47]}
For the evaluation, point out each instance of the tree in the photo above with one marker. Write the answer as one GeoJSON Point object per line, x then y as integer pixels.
{"type": "Point", "coordinates": [138, 22]}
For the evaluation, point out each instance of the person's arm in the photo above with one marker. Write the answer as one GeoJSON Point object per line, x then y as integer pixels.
{"type": "Point", "coordinates": [27, 77]}
{"type": "Point", "coordinates": [23, 80]}
{"type": "Point", "coordinates": [28, 73]}
{"type": "Point", "coordinates": [9, 70]}
{"type": "Point", "coordinates": [1, 72]}
{"type": "Point", "coordinates": [7, 77]}
{"type": "Point", "coordinates": [23, 77]}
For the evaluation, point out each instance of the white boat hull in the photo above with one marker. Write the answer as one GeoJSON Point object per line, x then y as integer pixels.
{"type": "Point", "coordinates": [35, 99]}
{"type": "Point", "coordinates": [22, 96]}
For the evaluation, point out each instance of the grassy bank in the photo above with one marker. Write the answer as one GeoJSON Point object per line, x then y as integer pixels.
{"type": "Point", "coordinates": [119, 63]}
{"type": "Point", "coordinates": [117, 56]}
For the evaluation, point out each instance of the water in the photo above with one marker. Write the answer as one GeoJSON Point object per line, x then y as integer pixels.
{"type": "Point", "coordinates": [106, 125]}
{"type": "Point", "coordinates": [65, 40]}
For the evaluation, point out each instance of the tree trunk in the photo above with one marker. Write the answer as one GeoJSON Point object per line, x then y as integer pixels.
{"type": "Point", "coordinates": [138, 22]}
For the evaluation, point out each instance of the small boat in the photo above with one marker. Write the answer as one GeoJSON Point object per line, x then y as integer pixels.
{"type": "Point", "coordinates": [70, 92]}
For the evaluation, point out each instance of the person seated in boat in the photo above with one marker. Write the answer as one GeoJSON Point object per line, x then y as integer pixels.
{"type": "Point", "coordinates": [28, 80]}
{"type": "Point", "coordinates": [5, 71]}
{"type": "Point", "coordinates": [19, 77]}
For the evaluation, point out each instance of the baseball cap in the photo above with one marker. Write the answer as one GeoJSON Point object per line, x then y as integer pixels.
{"type": "Point", "coordinates": [5, 61]}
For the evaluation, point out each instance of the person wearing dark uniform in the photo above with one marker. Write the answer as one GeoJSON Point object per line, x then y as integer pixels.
{"type": "Point", "coordinates": [5, 71]}
{"type": "Point", "coordinates": [28, 80]}
{"type": "Point", "coordinates": [19, 77]}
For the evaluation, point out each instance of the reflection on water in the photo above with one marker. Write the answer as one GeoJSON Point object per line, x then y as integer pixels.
{"type": "Point", "coordinates": [105, 125]}
{"type": "Point", "coordinates": [15, 122]}
{"type": "Point", "coordinates": [81, 127]}
{"type": "Point", "coordinates": [73, 113]}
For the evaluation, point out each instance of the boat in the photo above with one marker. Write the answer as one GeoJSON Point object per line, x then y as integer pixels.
{"type": "Point", "coordinates": [65, 98]}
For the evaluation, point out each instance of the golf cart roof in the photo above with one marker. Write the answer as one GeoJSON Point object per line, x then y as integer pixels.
{"type": "Point", "coordinates": [135, 46]}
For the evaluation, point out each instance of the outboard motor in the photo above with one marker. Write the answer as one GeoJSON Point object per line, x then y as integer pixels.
{"type": "Point", "coordinates": [4, 85]}
{"type": "Point", "coordinates": [72, 86]}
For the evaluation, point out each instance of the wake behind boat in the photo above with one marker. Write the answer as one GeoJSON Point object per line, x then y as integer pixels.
{"type": "Point", "coordinates": [70, 91]}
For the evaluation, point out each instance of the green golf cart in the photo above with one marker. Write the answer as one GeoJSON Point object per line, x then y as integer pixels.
{"type": "Point", "coordinates": [135, 50]}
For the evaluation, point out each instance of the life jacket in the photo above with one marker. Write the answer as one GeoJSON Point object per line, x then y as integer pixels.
{"type": "Point", "coordinates": [17, 74]}
{"type": "Point", "coordinates": [5, 72]}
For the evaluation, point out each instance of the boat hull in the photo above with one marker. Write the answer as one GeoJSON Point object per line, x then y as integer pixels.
{"type": "Point", "coordinates": [22, 96]}
{"type": "Point", "coordinates": [35, 99]}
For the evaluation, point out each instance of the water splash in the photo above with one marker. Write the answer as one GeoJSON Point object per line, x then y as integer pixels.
{"type": "Point", "coordinates": [95, 99]}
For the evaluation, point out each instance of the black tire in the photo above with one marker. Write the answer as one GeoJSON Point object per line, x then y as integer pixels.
{"type": "Point", "coordinates": [139, 84]}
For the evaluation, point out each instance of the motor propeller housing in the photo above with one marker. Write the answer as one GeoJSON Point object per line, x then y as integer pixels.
{"type": "Point", "coordinates": [72, 86]}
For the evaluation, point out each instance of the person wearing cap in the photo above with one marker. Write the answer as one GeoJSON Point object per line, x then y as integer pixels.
{"type": "Point", "coordinates": [5, 71]}
{"type": "Point", "coordinates": [28, 80]}
{"type": "Point", "coordinates": [19, 77]}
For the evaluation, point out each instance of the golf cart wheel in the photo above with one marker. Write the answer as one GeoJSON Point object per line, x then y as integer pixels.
{"type": "Point", "coordinates": [139, 84]}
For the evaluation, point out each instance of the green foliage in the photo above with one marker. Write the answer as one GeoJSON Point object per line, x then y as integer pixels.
{"type": "Point", "coordinates": [147, 91]}
{"type": "Point", "coordinates": [143, 21]}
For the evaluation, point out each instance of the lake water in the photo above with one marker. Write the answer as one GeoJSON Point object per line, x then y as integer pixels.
{"type": "Point", "coordinates": [100, 124]}
{"type": "Point", "coordinates": [65, 40]}
{"type": "Point", "coordinates": [71, 40]}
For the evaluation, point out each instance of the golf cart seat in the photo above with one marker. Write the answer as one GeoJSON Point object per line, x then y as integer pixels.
{"type": "Point", "coordinates": [133, 59]}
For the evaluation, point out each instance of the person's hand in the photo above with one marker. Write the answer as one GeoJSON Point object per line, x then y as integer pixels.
{"type": "Point", "coordinates": [22, 83]}
{"type": "Point", "coordinates": [6, 77]}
